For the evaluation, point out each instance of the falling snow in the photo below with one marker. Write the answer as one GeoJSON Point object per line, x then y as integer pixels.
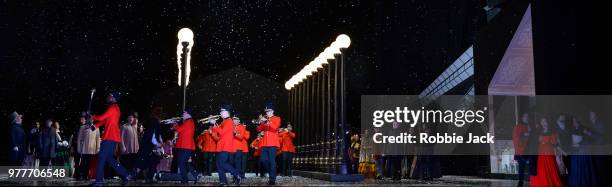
{"type": "Point", "coordinates": [62, 50]}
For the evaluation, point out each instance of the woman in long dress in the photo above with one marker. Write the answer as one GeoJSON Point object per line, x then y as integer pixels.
{"type": "Point", "coordinates": [547, 172]}
{"type": "Point", "coordinates": [582, 171]}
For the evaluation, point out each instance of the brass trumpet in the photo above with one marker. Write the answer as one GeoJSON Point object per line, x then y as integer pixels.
{"type": "Point", "coordinates": [205, 120]}
{"type": "Point", "coordinates": [172, 120]}
{"type": "Point", "coordinates": [259, 120]}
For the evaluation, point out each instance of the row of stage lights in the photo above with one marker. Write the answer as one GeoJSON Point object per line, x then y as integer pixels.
{"type": "Point", "coordinates": [342, 42]}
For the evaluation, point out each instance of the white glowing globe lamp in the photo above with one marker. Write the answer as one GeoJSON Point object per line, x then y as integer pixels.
{"type": "Point", "coordinates": [185, 35]}
{"type": "Point", "coordinates": [287, 85]}
{"type": "Point", "coordinates": [296, 79]}
{"type": "Point", "coordinates": [301, 76]}
{"type": "Point", "coordinates": [335, 48]}
{"type": "Point", "coordinates": [328, 53]}
{"type": "Point", "coordinates": [343, 41]}
{"type": "Point", "coordinates": [318, 62]}
{"type": "Point", "coordinates": [307, 71]}
{"type": "Point", "coordinates": [291, 84]}
{"type": "Point", "coordinates": [313, 67]}
{"type": "Point", "coordinates": [293, 81]}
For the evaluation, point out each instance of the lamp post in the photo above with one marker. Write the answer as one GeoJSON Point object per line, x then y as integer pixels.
{"type": "Point", "coordinates": [324, 60]}
{"type": "Point", "coordinates": [330, 119]}
{"type": "Point", "coordinates": [183, 53]}
{"type": "Point", "coordinates": [321, 86]}
{"type": "Point", "coordinates": [342, 43]}
{"type": "Point", "coordinates": [318, 114]}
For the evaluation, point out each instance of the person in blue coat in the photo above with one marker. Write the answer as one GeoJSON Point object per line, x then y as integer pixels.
{"type": "Point", "coordinates": [582, 170]}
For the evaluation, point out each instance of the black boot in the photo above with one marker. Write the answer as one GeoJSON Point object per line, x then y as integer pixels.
{"type": "Point", "coordinates": [197, 178]}
{"type": "Point", "coordinates": [237, 180]}
{"type": "Point", "coordinates": [124, 181]}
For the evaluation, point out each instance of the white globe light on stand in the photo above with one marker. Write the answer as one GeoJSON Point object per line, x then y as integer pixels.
{"type": "Point", "coordinates": [328, 54]}
{"type": "Point", "coordinates": [294, 81]}
{"type": "Point", "coordinates": [314, 67]}
{"type": "Point", "coordinates": [301, 76]}
{"type": "Point", "coordinates": [185, 35]}
{"type": "Point", "coordinates": [290, 84]}
{"type": "Point", "coordinates": [308, 70]}
{"type": "Point", "coordinates": [183, 55]}
{"type": "Point", "coordinates": [333, 52]}
{"type": "Point", "coordinates": [316, 62]}
{"type": "Point", "coordinates": [343, 41]}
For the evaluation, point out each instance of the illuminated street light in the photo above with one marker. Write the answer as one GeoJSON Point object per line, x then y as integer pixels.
{"type": "Point", "coordinates": [343, 41]}
{"type": "Point", "coordinates": [183, 59]}
{"type": "Point", "coordinates": [303, 88]}
{"type": "Point", "coordinates": [185, 35]}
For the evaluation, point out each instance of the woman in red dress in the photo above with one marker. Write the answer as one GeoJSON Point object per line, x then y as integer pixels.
{"type": "Point", "coordinates": [548, 174]}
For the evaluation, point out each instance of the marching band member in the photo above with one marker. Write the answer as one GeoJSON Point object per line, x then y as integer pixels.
{"type": "Point", "coordinates": [199, 152]}
{"type": "Point", "coordinates": [110, 139]}
{"type": "Point", "coordinates": [241, 135]}
{"type": "Point", "coordinates": [185, 145]}
{"type": "Point", "coordinates": [225, 146]}
{"type": "Point", "coordinates": [256, 145]}
{"type": "Point", "coordinates": [270, 142]}
{"type": "Point", "coordinates": [209, 148]}
{"type": "Point", "coordinates": [287, 149]}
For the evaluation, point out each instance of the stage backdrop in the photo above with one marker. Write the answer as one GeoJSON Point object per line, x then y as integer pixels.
{"type": "Point", "coordinates": [246, 91]}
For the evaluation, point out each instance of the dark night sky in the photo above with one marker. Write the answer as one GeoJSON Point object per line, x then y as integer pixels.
{"type": "Point", "coordinates": [53, 52]}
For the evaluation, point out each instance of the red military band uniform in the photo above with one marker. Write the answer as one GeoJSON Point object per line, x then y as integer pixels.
{"type": "Point", "coordinates": [240, 142]}
{"type": "Point", "coordinates": [256, 145]}
{"type": "Point", "coordinates": [200, 142]}
{"type": "Point", "coordinates": [185, 131]}
{"type": "Point", "coordinates": [215, 135]}
{"type": "Point", "coordinates": [110, 121]}
{"type": "Point", "coordinates": [286, 142]}
{"type": "Point", "coordinates": [207, 142]}
{"type": "Point", "coordinates": [519, 143]}
{"type": "Point", "coordinates": [270, 129]}
{"type": "Point", "coordinates": [225, 135]}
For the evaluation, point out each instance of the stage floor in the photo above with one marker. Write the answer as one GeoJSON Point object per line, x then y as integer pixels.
{"type": "Point", "coordinates": [252, 180]}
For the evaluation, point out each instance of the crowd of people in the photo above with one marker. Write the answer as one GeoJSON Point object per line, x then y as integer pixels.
{"type": "Point", "coordinates": [423, 165]}
{"type": "Point", "coordinates": [554, 154]}
{"type": "Point", "coordinates": [559, 153]}
{"type": "Point", "coordinates": [563, 153]}
{"type": "Point", "coordinates": [44, 146]}
{"type": "Point", "coordinates": [101, 148]}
